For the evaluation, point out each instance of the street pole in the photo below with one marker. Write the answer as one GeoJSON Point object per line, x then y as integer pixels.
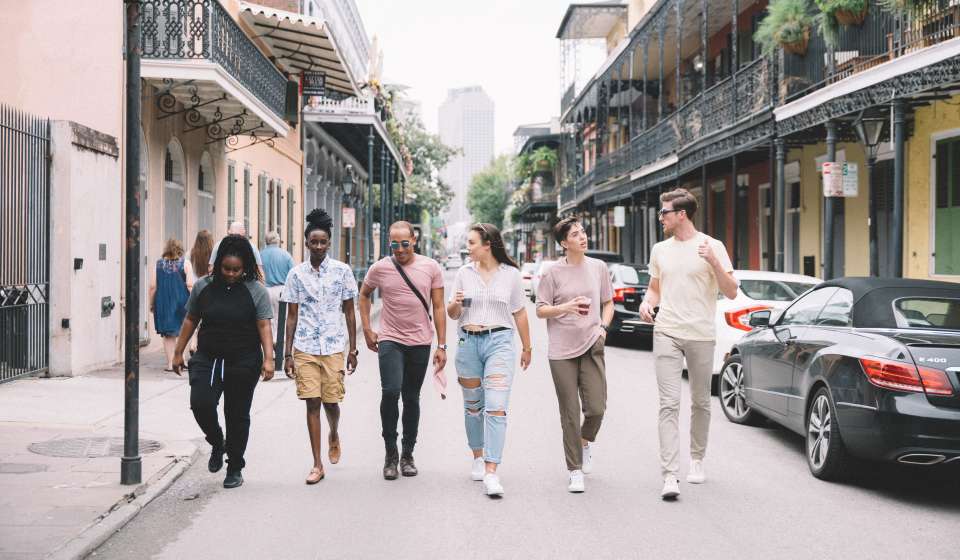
{"type": "Point", "coordinates": [828, 206]}
{"type": "Point", "coordinates": [899, 136]}
{"type": "Point", "coordinates": [872, 213]}
{"type": "Point", "coordinates": [780, 203]}
{"type": "Point", "coordinates": [130, 467]}
{"type": "Point", "coordinates": [370, 198]}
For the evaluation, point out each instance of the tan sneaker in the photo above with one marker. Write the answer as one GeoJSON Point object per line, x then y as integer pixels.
{"type": "Point", "coordinates": [334, 452]}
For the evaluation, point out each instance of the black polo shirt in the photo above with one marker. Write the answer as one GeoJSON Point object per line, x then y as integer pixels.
{"type": "Point", "coordinates": [228, 315]}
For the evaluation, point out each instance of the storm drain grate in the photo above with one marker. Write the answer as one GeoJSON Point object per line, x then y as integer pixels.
{"type": "Point", "coordinates": [91, 447]}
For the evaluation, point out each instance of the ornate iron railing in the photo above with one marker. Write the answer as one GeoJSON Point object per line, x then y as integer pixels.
{"type": "Point", "coordinates": [754, 93]}
{"type": "Point", "coordinates": [350, 105]}
{"type": "Point", "coordinates": [717, 107]}
{"type": "Point", "coordinates": [203, 30]}
{"type": "Point", "coordinates": [567, 194]}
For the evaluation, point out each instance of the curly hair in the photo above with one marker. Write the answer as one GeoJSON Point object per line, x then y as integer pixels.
{"type": "Point", "coordinates": [236, 246]}
{"type": "Point", "coordinates": [318, 219]}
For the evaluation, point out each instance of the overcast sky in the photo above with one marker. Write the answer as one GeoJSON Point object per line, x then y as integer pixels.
{"type": "Point", "coordinates": [506, 46]}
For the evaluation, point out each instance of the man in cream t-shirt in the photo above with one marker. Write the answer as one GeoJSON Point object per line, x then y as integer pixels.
{"type": "Point", "coordinates": [687, 270]}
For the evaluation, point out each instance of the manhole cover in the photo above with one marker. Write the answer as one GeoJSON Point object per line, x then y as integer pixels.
{"type": "Point", "coordinates": [21, 468]}
{"type": "Point", "coordinates": [90, 447]}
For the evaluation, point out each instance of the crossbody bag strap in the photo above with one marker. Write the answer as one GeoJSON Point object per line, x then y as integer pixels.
{"type": "Point", "coordinates": [413, 288]}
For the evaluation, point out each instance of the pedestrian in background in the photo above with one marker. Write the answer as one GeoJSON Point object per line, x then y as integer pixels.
{"type": "Point", "coordinates": [686, 271]}
{"type": "Point", "coordinates": [238, 228]}
{"type": "Point", "coordinates": [575, 296]}
{"type": "Point", "coordinates": [488, 304]}
{"type": "Point", "coordinates": [169, 291]}
{"type": "Point", "coordinates": [407, 282]}
{"type": "Point", "coordinates": [277, 263]}
{"type": "Point", "coordinates": [199, 259]}
{"type": "Point", "coordinates": [319, 294]}
{"type": "Point", "coordinates": [234, 350]}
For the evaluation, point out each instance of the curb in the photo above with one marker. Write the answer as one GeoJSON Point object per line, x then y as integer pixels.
{"type": "Point", "coordinates": [124, 510]}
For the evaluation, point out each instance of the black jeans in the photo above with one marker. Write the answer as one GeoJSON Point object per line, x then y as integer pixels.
{"type": "Point", "coordinates": [235, 379]}
{"type": "Point", "coordinates": [402, 370]}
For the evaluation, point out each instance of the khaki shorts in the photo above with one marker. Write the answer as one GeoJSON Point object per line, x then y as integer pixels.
{"type": "Point", "coordinates": [319, 376]}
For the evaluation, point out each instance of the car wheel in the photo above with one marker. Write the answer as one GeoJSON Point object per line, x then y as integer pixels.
{"type": "Point", "coordinates": [732, 393]}
{"type": "Point", "coordinates": [827, 455]}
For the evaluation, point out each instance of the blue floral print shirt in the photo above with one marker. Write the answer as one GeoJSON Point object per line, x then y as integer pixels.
{"type": "Point", "coordinates": [320, 293]}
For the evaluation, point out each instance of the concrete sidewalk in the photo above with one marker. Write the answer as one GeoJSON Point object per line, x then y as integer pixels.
{"type": "Point", "coordinates": [61, 440]}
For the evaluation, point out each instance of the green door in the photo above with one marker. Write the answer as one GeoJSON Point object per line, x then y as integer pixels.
{"type": "Point", "coordinates": [947, 217]}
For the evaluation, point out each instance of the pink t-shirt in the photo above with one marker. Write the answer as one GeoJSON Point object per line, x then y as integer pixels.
{"type": "Point", "coordinates": [402, 317]}
{"type": "Point", "coordinates": [573, 334]}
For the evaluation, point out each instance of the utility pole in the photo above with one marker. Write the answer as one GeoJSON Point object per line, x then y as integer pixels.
{"type": "Point", "coordinates": [130, 467]}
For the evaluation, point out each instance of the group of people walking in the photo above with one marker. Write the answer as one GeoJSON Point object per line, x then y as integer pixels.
{"type": "Point", "coordinates": [233, 309]}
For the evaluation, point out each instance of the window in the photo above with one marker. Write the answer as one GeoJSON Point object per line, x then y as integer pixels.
{"type": "Point", "coordinates": [261, 209]}
{"type": "Point", "coordinates": [806, 309]}
{"type": "Point", "coordinates": [231, 192]}
{"type": "Point", "coordinates": [291, 235]}
{"type": "Point", "coordinates": [635, 276]}
{"type": "Point", "coordinates": [773, 290]}
{"type": "Point", "coordinates": [947, 212]}
{"type": "Point", "coordinates": [837, 312]}
{"type": "Point", "coordinates": [926, 313]}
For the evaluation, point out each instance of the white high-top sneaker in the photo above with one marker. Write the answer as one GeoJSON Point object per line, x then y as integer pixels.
{"type": "Point", "coordinates": [671, 487]}
{"type": "Point", "coordinates": [492, 484]}
{"type": "Point", "coordinates": [587, 466]}
{"type": "Point", "coordinates": [477, 469]}
{"type": "Point", "coordinates": [696, 474]}
{"type": "Point", "coordinates": [576, 482]}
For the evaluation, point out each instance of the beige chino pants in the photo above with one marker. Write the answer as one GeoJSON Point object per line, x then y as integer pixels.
{"type": "Point", "coordinates": [668, 355]}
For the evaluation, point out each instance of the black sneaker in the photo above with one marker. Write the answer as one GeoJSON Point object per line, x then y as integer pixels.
{"type": "Point", "coordinates": [390, 466]}
{"type": "Point", "coordinates": [407, 467]}
{"type": "Point", "coordinates": [216, 460]}
{"type": "Point", "coordinates": [233, 480]}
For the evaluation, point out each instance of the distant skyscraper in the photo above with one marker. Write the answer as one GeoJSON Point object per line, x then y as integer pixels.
{"type": "Point", "coordinates": [466, 123]}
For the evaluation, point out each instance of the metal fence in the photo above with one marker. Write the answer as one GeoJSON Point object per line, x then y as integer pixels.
{"type": "Point", "coordinates": [25, 248]}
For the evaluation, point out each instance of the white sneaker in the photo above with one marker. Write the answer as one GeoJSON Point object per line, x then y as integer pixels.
{"type": "Point", "coordinates": [671, 487]}
{"type": "Point", "coordinates": [696, 474]}
{"type": "Point", "coordinates": [576, 482]}
{"type": "Point", "coordinates": [587, 466]}
{"type": "Point", "coordinates": [492, 483]}
{"type": "Point", "coordinates": [477, 470]}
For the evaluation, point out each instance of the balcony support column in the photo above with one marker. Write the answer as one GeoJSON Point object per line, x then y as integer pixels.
{"type": "Point", "coordinates": [734, 63]}
{"type": "Point", "coordinates": [899, 167]}
{"type": "Point", "coordinates": [370, 197]}
{"type": "Point", "coordinates": [704, 40]}
{"type": "Point", "coordinates": [830, 210]}
{"type": "Point", "coordinates": [661, 33]}
{"type": "Point", "coordinates": [779, 202]}
{"type": "Point", "coordinates": [384, 204]}
{"type": "Point", "coordinates": [735, 213]}
{"type": "Point", "coordinates": [679, 88]}
{"type": "Point", "coordinates": [630, 131]}
{"type": "Point", "coordinates": [646, 60]}
{"type": "Point", "coordinates": [707, 195]}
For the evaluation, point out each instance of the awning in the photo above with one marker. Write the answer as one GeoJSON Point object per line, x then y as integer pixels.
{"type": "Point", "coordinates": [301, 43]}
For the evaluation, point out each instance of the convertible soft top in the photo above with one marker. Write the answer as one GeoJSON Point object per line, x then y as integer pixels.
{"type": "Point", "coordinates": [873, 297]}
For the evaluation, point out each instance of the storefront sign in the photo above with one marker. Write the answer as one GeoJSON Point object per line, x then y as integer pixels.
{"type": "Point", "coordinates": [619, 216]}
{"type": "Point", "coordinates": [349, 217]}
{"type": "Point", "coordinates": [840, 179]}
{"type": "Point", "coordinates": [313, 83]}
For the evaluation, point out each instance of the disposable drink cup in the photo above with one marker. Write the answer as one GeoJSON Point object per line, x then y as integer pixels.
{"type": "Point", "coordinates": [467, 301]}
{"type": "Point", "coordinates": [584, 307]}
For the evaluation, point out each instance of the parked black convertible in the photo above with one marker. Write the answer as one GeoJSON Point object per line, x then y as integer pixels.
{"type": "Point", "coordinates": [862, 367]}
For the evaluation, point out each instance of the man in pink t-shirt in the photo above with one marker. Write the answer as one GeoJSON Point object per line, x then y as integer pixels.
{"type": "Point", "coordinates": [405, 336]}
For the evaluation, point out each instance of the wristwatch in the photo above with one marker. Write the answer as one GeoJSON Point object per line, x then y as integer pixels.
{"type": "Point", "coordinates": [442, 347]}
{"type": "Point", "coordinates": [355, 352]}
{"type": "Point", "coordinates": [605, 327]}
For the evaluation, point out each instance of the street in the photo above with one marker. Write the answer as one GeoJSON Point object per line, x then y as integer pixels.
{"type": "Point", "coordinates": [759, 501]}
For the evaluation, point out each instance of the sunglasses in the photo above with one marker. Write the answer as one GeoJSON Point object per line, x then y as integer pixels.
{"type": "Point", "coordinates": [394, 245]}
{"type": "Point", "coordinates": [664, 211]}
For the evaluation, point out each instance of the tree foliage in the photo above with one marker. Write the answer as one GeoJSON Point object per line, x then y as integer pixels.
{"type": "Point", "coordinates": [430, 155]}
{"type": "Point", "coordinates": [489, 192]}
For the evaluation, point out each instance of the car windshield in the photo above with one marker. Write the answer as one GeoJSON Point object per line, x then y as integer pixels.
{"type": "Point", "coordinates": [773, 290]}
{"type": "Point", "coordinates": [631, 275]}
{"type": "Point", "coordinates": [927, 313]}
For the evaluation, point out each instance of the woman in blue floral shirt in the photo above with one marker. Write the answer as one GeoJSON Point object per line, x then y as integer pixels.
{"type": "Point", "coordinates": [319, 294]}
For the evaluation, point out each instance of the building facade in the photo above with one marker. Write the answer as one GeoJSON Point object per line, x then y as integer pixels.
{"type": "Point", "coordinates": [687, 98]}
{"type": "Point", "coordinates": [466, 124]}
{"type": "Point", "coordinates": [221, 138]}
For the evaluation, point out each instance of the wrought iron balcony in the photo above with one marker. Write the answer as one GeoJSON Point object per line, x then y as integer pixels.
{"type": "Point", "coordinates": [198, 30]}
{"type": "Point", "coordinates": [348, 106]}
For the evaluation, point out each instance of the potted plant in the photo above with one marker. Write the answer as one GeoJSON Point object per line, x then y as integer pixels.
{"type": "Point", "coordinates": [787, 24]}
{"type": "Point", "coordinates": [834, 13]}
{"type": "Point", "coordinates": [544, 158]}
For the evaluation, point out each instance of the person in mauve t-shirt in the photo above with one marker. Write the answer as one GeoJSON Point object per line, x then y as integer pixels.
{"type": "Point", "coordinates": [403, 342]}
{"type": "Point", "coordinates": [575, 296]}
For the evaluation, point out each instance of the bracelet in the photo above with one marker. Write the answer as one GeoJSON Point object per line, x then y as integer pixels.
{"type": "Point", "coordinates": [287, 356]}
{"type": "Point", "coordinates": [528, 349]}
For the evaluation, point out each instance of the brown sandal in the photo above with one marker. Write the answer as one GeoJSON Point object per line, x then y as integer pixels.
{"type": "Point", "coordinates": [315, 476]}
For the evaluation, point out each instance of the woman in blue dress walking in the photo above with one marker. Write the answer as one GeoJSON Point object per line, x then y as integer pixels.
{"type": "Point", "coordinates": [169, 292]}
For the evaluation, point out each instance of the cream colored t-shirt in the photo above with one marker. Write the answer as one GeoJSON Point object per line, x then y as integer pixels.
{"type": "Point", "coordinates": [688, 287]}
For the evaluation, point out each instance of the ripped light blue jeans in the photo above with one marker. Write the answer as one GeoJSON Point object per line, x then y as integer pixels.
{"type": "Point", "coordinates": [489, 359]}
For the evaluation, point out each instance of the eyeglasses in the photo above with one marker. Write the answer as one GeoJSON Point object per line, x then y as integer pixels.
{"type": "Point", "coordinates": [394, 245]}
{"type": "Point", "coordinates": [665, 211]}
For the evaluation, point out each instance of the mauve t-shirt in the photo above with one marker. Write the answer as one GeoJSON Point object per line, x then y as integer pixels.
{"type": "Point", "coordinates": [402, 317]}
{"type": "Point", "coordinates": [571, 335]}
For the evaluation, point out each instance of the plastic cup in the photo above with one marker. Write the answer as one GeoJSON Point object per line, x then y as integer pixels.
{"type": "Point", "coordinates": [467, 301]}
{"type": "Point", "coordinates": [584, 307]}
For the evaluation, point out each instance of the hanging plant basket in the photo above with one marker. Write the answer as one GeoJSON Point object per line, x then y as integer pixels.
{"type": "Point", "coordinates": [798, 48]}
{"type": "Point", "coordinates": [846, 17]}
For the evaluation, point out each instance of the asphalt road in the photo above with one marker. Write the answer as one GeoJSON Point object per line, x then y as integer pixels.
{"type": "Point", "coordinates": [759, 501]}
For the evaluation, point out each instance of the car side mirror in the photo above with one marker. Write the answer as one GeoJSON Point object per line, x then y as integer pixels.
{"type": "Point", "coordinates": [760, 318]}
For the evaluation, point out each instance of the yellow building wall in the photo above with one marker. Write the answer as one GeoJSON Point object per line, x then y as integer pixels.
{"type": "Point", "coordinates": [929, 121]}
{"type": "Point", "coordinates": [811, 209]}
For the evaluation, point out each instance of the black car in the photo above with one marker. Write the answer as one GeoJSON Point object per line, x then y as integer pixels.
{"type": "Point", "coordinates": [605, 256]}
{"type": "Point", "coordinates": [630, 283]}
{"type": "Point", "coordinates": [862, 367]}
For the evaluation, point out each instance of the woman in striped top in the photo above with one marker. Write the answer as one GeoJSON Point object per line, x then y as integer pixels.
{"type": "Point", "coordinates": [488, 304]}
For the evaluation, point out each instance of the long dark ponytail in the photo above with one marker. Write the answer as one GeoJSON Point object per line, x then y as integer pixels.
{"type": "Point", "coordinates": [490, 234]}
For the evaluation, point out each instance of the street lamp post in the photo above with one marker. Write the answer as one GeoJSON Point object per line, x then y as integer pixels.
{"type": "Point", "coordinates": [347, 186]}
{"type": "Point", "coordinates": [868, 131]}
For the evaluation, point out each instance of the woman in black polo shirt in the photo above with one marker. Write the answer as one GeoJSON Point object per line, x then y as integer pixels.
{"type": "Point", "coordinates": [234, 350]}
